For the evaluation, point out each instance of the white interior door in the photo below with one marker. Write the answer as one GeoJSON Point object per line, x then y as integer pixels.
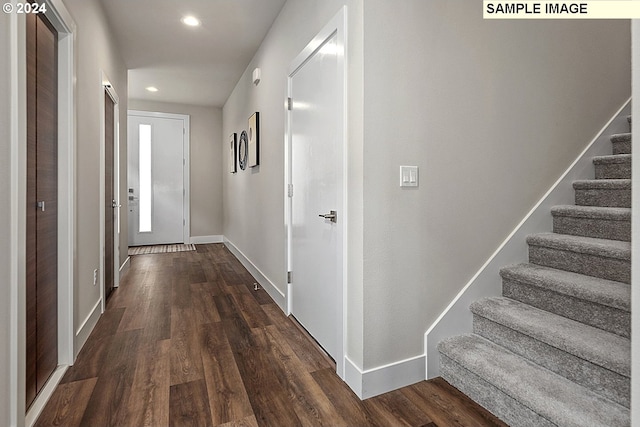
{"type": "Point", "coordinates": [156, 153]}
{"type": "Point", "coordinates": [316, 176]}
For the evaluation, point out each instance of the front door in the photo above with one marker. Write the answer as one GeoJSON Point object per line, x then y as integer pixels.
{"type": "Point", "coordinates": [316, 176]}
{"type": "Point", "coordinates": [156, 180]}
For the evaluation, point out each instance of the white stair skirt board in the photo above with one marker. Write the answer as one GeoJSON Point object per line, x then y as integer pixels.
{"type": "Point", "coordinates": [263, 281]}
{"type": "Point", "coordinates": [456, 319]}
{"type": "Point", "coordinates": [376, 381]}
{"type": "Point", "coordinates": [160, 249]}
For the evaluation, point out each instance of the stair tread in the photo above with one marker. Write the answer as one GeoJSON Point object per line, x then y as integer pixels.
{"type": "Point", "coordinates": [554, 397]}
{"type": "Point", "coordinates": [593, 212]}
{"type": "Point", "coordinates": [612, 159]}
{"type": "Point", "coordinates": [601, 291]}
{"type": "Point", "coordinates": [588, 245]}
{"type": "Point", "coordinates": [621, 137]}
{"type": "Point", "coordinates": [599, 347]}
{"type": "Point", "coordinates": [602, 184]}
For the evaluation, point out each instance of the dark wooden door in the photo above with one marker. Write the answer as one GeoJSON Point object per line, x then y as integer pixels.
{"type": "Point", "coordinates": [42, 204]}
{"type": "Point", "coordinates": [109, 201]}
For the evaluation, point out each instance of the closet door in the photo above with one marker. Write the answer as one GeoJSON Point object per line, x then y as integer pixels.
{"type": "Point", "coordinates": [110, 198]}
{"type": "Point", "coordinates": [42, 201]}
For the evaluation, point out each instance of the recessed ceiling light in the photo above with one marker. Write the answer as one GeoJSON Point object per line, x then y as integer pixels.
{"type": "Point", "coordinates": [152, 88]}
{"type": "Point", "coordinates": [191, 21]}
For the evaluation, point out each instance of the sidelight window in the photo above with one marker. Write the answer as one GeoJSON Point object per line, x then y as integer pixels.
{"type": "Point", "coordinates": [144, 223]}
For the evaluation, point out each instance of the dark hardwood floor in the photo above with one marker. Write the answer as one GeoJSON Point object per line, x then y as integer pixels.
{"type": "Point", "coordinates": [186, 341]}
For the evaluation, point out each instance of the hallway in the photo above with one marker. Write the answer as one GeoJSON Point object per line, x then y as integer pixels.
{"type": "Point", "coordinates": [186, 341]}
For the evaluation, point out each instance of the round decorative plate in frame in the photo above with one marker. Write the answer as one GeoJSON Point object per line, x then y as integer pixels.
{"type": "Point", "coordinates": [243, 150]}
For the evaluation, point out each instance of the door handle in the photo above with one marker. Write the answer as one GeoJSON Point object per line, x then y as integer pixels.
{"type": "Point", "coordinates": [40, 205]}
{"type": "Point", "coordinates": [115, 204]}
{"type": "Point", "coordinates": [332, 216]}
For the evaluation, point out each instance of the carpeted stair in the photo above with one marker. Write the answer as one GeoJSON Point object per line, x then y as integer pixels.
{"type": "Point", "coordinates": [555, 349]}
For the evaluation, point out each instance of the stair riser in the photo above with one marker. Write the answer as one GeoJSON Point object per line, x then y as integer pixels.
{"type": "Point", "coordinates": [590, 227]}
{"type": "Point", "coordinates": [602, 381]}
{"type": "Point", "coordinates": [490, 397]}
{"type": "Point", "coordinates": [597, 315]}
{"type": "Point", "coordinates": [590, 265]}
{"type": "Point", "coordinates": [613, 170]}
{"type": "Point", "coordinates": [621, 147]}
{"type": "Point", "coordinates": [604, 198]}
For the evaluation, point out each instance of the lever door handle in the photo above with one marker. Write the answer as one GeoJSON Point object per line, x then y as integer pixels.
{"type": "Point", "coordinates": [332, 216]}
{"type": "Point", "coordinates": [40, 205]}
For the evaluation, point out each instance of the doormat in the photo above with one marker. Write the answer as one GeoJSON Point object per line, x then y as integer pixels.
{"type": "Point", "coordinates": [160, 249]}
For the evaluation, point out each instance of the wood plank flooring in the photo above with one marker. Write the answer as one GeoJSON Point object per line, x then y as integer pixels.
{"type": "Point", "coordinates": [186, 341]}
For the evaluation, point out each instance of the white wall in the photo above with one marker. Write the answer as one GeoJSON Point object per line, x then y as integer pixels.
{"type": "Point", "coordinates": [207, 162]}
{"type": "Point", "coordinates": [95, 52]}
{"type": "Point", "coordinates": [492, 112]}
{"type": "Point", "coordinates": [253, 199]}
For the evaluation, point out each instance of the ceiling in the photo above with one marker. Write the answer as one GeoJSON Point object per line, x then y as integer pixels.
{"type": "Point", "coordinates": [189, 65]}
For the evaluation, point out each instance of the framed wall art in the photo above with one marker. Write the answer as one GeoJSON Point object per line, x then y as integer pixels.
{"type": "Point", "coordinates": [233, 156]}
{"type": "Point", "coordinates": [243, 150]}
{"type": "Point", "coordinates": [254, 140]}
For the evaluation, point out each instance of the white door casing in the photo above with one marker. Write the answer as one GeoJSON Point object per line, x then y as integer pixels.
{"type": "Point", "coordinates": [315, 168]}
{"type": "Point", "coordinates": [169, 175]}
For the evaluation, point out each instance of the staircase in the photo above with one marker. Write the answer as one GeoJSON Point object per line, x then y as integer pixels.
{"type": "Point", "coordinates": [555, 349]}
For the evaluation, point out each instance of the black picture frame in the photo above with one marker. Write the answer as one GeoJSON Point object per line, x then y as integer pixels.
{"type": "Point", "coordinates": [254, 140]}
{"type": "Point", "coordinates": [233, 153]}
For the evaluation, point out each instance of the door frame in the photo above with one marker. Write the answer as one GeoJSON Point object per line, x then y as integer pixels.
{"type": "Point", "coordinates": [336, 26]}
{"type": "Point", "coordinates": [62, 21]}
{"type": "Point", "coordinates": [186, 168]}
{"type": "Point", "coordinates": [108, 90]}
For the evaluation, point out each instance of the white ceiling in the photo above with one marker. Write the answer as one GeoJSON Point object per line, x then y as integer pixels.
{"type": "Point", "coordinates": [189, 65]}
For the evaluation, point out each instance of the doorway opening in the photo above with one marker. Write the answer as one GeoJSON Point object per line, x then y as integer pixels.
{"type": "Point", "coordinates": [158, 178]}
{"type": "Point", "coordinates": [110, 185]}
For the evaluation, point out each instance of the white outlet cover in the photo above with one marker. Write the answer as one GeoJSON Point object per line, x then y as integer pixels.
{"type": "Point", "coordinates": [409, 176]}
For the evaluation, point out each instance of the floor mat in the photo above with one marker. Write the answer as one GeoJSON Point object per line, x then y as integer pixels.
{"type": "Point", "coordinates": [160, 249]}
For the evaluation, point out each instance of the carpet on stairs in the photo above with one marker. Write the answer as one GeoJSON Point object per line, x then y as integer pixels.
{"type": "Point", "coordinates": [554, 349]}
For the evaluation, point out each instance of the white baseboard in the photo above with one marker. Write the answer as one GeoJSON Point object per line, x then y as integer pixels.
{"type": "Point", "coordinates": [203, 240]}
{"type": "Point", "coordinates": [372, 382]}
{"type": "Point", "coordinates": [456, 318]}
{"type": "Point", "coordinates": [273, 291]}
{"type": "Point", "coordinates": [87, 326]}
{"type": "Point", "coordinates": [125, 267]}
{"type": "Point", "coordinates": [45, 394]}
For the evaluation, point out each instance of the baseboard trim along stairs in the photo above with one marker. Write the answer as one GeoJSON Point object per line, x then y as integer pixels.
{"type": "Point", "coordinates": [555, 349]}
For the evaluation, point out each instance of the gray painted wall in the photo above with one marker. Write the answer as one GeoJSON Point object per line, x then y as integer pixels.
{"type": "Point", "coordinates": [207, 162]}
{"type": "Point", "coordinates": [492, 112]}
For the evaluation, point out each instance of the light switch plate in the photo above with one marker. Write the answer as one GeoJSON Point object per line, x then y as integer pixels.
{"type": "Point", "coordinates": [408, 176]}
